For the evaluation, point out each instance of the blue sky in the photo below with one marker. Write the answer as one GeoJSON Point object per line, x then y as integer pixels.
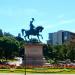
{"type": "Point", "coordinates": [53, 15]}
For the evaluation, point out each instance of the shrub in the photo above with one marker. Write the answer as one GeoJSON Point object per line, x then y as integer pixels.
{"type": "Point", "coordinates": [4, 67]}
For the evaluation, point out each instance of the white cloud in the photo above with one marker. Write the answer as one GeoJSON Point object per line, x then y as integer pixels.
{"type": "Point", "coordinates": [62, 22]}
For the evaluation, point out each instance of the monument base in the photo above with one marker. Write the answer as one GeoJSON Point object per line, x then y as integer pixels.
{"type": "Point", "coordinates": [34, 54]}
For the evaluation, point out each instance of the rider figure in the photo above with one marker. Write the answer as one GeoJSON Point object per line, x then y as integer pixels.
{"type": "Point", "coordinates": [31, 24]}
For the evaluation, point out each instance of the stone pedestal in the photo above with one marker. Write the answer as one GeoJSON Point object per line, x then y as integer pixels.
{"type": "Point", "coordinates": [34, 54]}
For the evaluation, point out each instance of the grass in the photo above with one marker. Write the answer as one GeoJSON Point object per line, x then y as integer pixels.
{"type": "Point", "coordinates": [39, 70]}
{"type": "Point", "coordinates": [12, 70]}
{"type": "Point", "coordinates": [46, 70]}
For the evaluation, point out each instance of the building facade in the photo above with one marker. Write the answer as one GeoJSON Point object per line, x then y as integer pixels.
{"type": "Point", "coordinates": [60, 37]}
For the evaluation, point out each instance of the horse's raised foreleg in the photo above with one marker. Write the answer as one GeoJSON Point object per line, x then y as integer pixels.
{"type": "Point", "coordinates": [28, 37]}
{"type": "Point", "coordinates": [41, 36]}
{"type": "Point", "coordinates": [38, 37]}
{"type": "Point", "coordinates": [25, 37]}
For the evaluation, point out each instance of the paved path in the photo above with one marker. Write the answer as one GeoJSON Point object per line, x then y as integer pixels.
{"type": "Point", "coordinates": [32, 74]}
{"type": "Point", "coordinates": [50, 74]}
{"type": "Point", "coordinates": [10, 74]}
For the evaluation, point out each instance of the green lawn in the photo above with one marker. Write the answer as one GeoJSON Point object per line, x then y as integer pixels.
{"type": "Point", "coordinates": [12, 70]}
{"type": "Point", "coordinates": [39, 70]}
{"type": "Point", "coordinates": [46, 70]}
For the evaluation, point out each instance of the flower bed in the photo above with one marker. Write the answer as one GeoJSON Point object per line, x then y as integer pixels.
{"type": "Point", "coordinates": [53, 66]}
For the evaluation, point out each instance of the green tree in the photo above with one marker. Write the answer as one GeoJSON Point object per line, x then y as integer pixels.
{"type": "Point", "coordinates": [71, 52]}
{"type": "Point", "coordinates": [21, 47]}
{"type": "Point", "coordinates": [1, 33]}
{"type": "Point", "coordinates": [9, 47]}
{"type": "Point", "coordinates": [49, 52]}
{"type": "Point", "coordinates": [8, 34]}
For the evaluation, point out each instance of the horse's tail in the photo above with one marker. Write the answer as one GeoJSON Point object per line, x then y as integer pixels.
{"type": "Point", "coordinates": [22, 32]}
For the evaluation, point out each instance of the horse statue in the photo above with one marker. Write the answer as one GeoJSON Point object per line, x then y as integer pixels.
{"type": "Point", "coordinates": [34, 32]}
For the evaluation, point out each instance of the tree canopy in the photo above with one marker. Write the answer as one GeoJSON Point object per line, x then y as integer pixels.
{"type": "Point", "coordinates": [10, 45]}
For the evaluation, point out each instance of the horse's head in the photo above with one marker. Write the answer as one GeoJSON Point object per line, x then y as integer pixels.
{"type": "Point", "coordinates": [39, 28]}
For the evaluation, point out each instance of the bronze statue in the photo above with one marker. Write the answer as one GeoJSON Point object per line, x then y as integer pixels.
{"type": "Point", "coordinates": [31, 24]}
{"type": "Point", "coordinates": [33, 31]}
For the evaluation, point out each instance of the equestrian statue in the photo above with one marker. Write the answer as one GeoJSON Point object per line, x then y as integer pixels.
{"type": "Point", "coordinates": [32, 31]}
